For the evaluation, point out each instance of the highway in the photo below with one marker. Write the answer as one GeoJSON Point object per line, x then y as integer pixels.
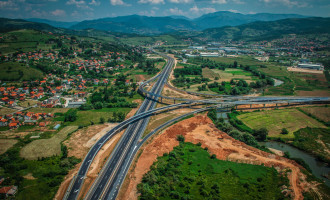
{"type": "Point", "coordinates": [113, 173]}
{"type": "Point", "coordinates": [106, 185]}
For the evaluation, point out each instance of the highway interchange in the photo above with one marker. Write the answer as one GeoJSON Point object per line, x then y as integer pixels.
{"type": "Point", "coordinates": [112, 175]}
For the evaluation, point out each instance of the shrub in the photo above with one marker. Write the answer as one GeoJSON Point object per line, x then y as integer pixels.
{"type": "Point", "coordinates": [284, 131]}
{"type": "Point", "coordinates": [180, 138]}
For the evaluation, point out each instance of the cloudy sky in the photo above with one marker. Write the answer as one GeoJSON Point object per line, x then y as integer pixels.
{"type": "Point", "coordinates": [78, 10]}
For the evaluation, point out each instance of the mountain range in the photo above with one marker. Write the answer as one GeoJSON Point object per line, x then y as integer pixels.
{"type": "Point", "coordinates": [159, 25]}
{"type": "Point", "coordinates": [260, 30]}
{"type": "Point", "coordinates": [268, 30]}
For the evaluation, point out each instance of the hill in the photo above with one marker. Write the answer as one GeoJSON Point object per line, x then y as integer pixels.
{"type": "Point", "coordinates": [57, 24]}
{"type": "Point", "coordinates": [159, 25]}
{"type": "Point", "coordinates": [7, 25]}
{"type": "Point", "coordinates": [225, 18]}
{"type": "Point", "coordinates": [268, 30]}
{"type": "Point", "coordinates": [137, 24]}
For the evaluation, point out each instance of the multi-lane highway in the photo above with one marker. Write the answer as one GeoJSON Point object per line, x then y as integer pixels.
{"type": "Point", "coordinates": [113, 173]}
{"type": "Point", "coordinates": [109, 180]}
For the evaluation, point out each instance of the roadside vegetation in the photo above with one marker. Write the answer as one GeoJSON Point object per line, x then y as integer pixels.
{"type": "Point", "coordinates": [314, 141]}
{"type": "Point", "coordinates": [190, 172]}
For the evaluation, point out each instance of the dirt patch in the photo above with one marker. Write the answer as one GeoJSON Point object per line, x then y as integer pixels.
{"type": "Point", "coordinates": [294, 69]}
{"type": "Point", "coordinates": [314, 93]}
{"type": "Point", "coordinates": [201, 129]}
{"type": "Point", "coordinates": [78, 146]}
{"type": "Point", "coordinates": [140, 77]}
{"type": "Point", "coordinates": [98, 162]}
{"type": "Point", "coordinates": [29, 176]}
{"type": "Point", "coordinates": [5, 144]}
{"type": "Point", "coordinates": [134, 110]}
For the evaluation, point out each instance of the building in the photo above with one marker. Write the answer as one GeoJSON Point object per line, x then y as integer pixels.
{"type": "Point", "coordinates": [311, 66]}
{"type": "Point", "coordinates": [8, 191]}
{"type": "Point", "coordinates": [76, 104]}
{"type": "Point", "coordinates": [214, 54]}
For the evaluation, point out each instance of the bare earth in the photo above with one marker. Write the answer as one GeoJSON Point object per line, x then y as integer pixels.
{"type": "Point", "coordinates": [79, 145]}
{"type": "Point", "coordinates": [293, 69]}
{"type": "Point", "coordinates": [201, 129]}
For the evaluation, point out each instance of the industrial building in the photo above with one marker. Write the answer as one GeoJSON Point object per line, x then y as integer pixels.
{"type": "Point", "coordinates": [311, 66]}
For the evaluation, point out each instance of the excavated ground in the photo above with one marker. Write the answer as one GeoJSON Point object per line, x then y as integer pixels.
{"type": "Point", "coordinates": [201, 129]}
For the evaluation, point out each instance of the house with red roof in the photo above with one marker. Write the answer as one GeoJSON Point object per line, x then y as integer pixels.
{"type": "Point", "coordinates": [8, 191]}
{"type": "Point", "coordinates": [13, 125]}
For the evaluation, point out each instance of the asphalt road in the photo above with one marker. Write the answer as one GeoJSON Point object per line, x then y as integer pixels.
{"type": "Point", "coordinates": [113, 173]}
{"type": "Point", "coordinates": [109, 180]}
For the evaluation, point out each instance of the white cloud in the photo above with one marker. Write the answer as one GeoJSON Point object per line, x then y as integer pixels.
{"type": "Point", "coordinates": [201, 11]}
{"type": "Point", "coordinates": [152, 1]}
{"type": "Point", "coordinates": [58, 12]}
{"type": "Point", "coordinates": [79, 4]}
{"type": "Point", "coordinates": [8, 5]}
{"type": "Point", "coordinates": [181, 1]}
{"type": "Point", "coordinates": [95, 3]}
{"type": "Point", "coordinates": [176, 11]}
{"type": "Point", "coordinates": [238, 2]}
{"type": "Point", "coordinates": [288, 3]}
{"type": "Point", "coordinates": [75, 2]}
{"type": "Point", "coordinates": [219, 1]}
{"type": "Point", "coordinates": [119, 3]}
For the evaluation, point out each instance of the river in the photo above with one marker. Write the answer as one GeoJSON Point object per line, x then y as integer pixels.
{"type": "Point", "coordinates": [318, 168]}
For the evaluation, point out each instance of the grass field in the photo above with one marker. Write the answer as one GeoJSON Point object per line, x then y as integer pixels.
{"type": "Point", "coordinates": [85, 118]}
{"type": "Point", "coordinates": [5, 144]}
{"type": "Point", "coordinates": [24, 40]}
{"type": "Point", "coordinates": [49, 110]}
{"type": "Point", "coordinates": [275, 120]}
{"type": "Point", "coordinates": [295, 83]}
{"type": "Point", "coordinates": [46, 147]}
{"type": "Point", "coordinates": [27, 103]}
{"type": "Point", "coordinates": [188, 172]}
{"type": "Point", "coordinates": [229, 74]}
{"type": "Point", "coordinates": [11, 71]}
{"type": "Point", "coordinates": [5, 110]}
{"type": "Point", "coordinates": [322, 113]}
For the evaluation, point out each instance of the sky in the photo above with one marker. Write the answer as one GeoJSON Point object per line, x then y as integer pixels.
{"type": "Point", "coordinates": [78, 10]}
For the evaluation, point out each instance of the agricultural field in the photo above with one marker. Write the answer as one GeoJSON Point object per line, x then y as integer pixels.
{"type": "Point", "coordinates": [5, 144]}
{"type": "Point", "coordinates": [321, 113]}
{"type": "Point", "coordinates": [46, 147]}
{"type": "Point", "coordinates": [275, 120]}
{"type": "Point", "coordinates": [190, 172]}
{"type": "Point", "coordinates": [229, 74]}
{"type": "Point", "coordinates": [12, 71]}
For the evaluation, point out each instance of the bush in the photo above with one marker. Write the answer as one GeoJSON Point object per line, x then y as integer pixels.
{"type": "Point", "coordinates": [180, 138]}
{"type": "Point", "coordinates": [260, 134]}
{"type": "Point", "coordinates": [70, 116]}
{"type": "Point", "coordinates": [284, 131]}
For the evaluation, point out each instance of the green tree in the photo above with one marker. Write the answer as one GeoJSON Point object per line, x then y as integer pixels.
{"type": "Point", "coordinates": [70, 116]}
{"type": "Point", "coordinates": [284, 131]}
